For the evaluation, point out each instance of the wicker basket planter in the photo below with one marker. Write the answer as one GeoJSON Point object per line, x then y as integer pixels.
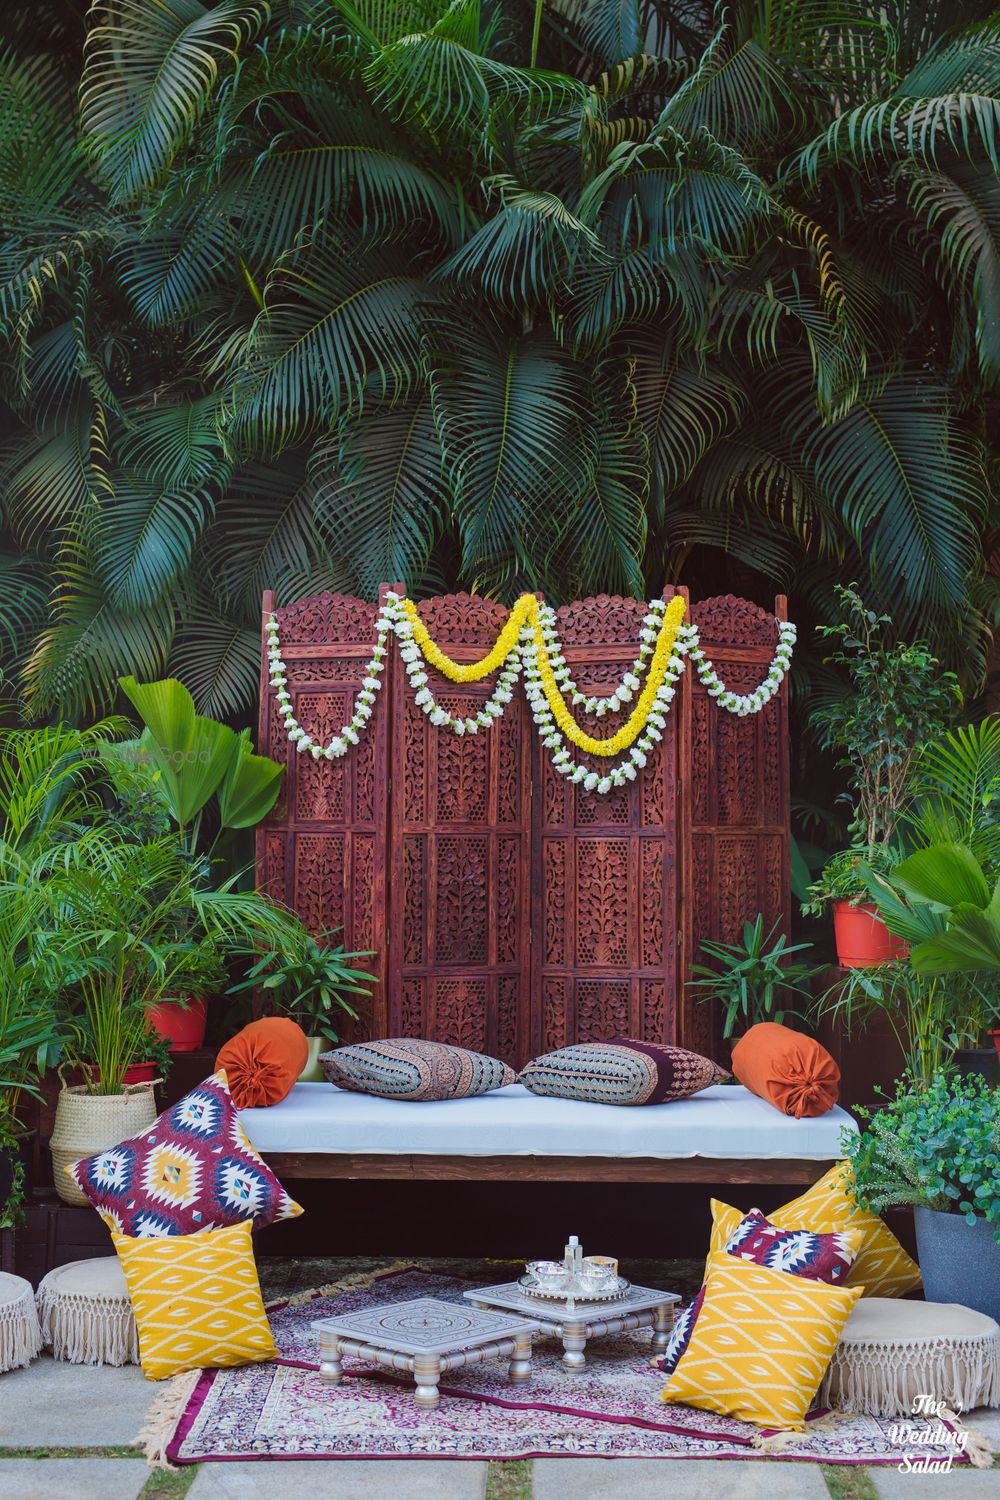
{"type": "Point", "coordinates": [86, 1123]}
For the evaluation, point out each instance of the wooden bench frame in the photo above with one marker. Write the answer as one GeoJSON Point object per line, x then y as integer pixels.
{"type": "Point", "coordinates": [329, 1164]}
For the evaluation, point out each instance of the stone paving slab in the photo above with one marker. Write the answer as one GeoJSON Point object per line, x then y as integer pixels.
{"type": "Point", "coordinates": [678, 1478]}
{"type": "Point", "coordinates": [963, 1483]}
{"type": "Point", "coordinates": [342, 1479]}
{"type": "Point", "coordinates": [986, 1419]}
{"type": "Point", "coordinates": [57, 1405]}
{"type": "Point", "coordinates": [72, 1478]}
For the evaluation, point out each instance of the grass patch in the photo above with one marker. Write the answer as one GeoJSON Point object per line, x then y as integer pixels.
{"type": "Point", "coordinates": [509, 1480]}
{"type": "Point", "coordinates": [845, 1482]}
{"type": "Point", "coordinates": [121, 1451]}
{"type": "Point", "coordinates": [168, 1484]}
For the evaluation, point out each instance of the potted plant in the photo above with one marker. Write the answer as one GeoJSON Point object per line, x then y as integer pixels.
{"type": "Point", "coordinates": [751, 977]}
{"type": "Point", "coordinates": [192, 761]}
{"type": "Point", "coordinates": [862, 938]}
{"type": "Point", "coordinates": [311, 987]}
{"type": "Point", "coordinates": [938, 1148]}
{"type": "Point", "coordinates": [29, 1037]}
{"type": "Point", "coordinates": [898, 699]}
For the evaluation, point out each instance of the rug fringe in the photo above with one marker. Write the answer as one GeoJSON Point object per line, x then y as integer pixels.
{"type": "Point", "coordinates": [978, 1448]}
{"type": "Point", "coordinates": [777, 1442]}
{"type": "Point", "coordinates": [163, 1416]}
{"type": "Point", "coordinates": [346, 1283]}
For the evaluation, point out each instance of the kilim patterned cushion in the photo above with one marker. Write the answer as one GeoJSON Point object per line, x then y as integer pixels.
{"type": "Point", "coordinates": [882, 1266]}
{"type": "Point", "coordinates": [408, 1068]}
{"type": "Point", "coordinates": [621, 1071]}
{"type": "Point", "coordinates": [196, 1301]}
{"type": "Point", "coordinates": [194, 1168]}
{"type": "Point", "coordinates": [821, 1257]}
{"type": "Point", "coordinates": [761, 1344]}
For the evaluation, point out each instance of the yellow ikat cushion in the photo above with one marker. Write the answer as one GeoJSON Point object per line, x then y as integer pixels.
{"type": "Point", "coordinates": [196, 1299]}
{"type": "Point", "coordinates": [882, 1266]}
{"type": "Point", "coordinates": [761, 1344]}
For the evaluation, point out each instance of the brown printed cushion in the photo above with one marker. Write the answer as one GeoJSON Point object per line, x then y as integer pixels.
{"type": "Point", "coordinates": [621, 1071]}
{"type": "Point", "coordinates": [407, 1068]}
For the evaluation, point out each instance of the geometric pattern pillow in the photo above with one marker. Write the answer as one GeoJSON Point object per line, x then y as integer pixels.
{"type": "Point", "coordinates": [193, 1169]}
{"type": "Point", "coordinates": [883, 1266]}
{"type": "Point", "coordinates": [621, 1071]}
{"type": "Point", "coordinates": [761, 1345]}
{"type": "Point", "coordinates": [196, 1299]}
{"type": "Point", "coordinates": [413, 1069]}
{"type": "Point", "coordinates": [798, 1252]}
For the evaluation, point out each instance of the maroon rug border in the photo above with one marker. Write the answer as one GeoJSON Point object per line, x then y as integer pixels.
{"type": "Point", "coordinates": [745, 1446]}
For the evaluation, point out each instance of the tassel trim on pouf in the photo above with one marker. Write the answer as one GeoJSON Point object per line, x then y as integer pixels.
{"type": "Point", "coordinates": [20, 1335]}
{"type": "Point", "coordinates": [87, 1330]}
{"type": "Point", "coordinates": [882, 1380]}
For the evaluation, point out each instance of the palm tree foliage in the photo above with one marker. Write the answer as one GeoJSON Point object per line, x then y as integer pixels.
{"type": "Point", "coordinates": [572, 295]}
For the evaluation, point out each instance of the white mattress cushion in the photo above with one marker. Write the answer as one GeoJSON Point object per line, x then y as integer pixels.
{"type": "Point", "coordinates": [725, 1121]}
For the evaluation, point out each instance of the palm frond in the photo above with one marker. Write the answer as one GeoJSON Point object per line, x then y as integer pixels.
{"type": "Point", "coordinates": [381, 494]}
{"type": "Point", "coordinates": [149, 71]}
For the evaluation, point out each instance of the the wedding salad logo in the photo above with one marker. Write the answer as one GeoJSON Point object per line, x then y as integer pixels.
{"type": "Point", "coordinates": [932, 1432]}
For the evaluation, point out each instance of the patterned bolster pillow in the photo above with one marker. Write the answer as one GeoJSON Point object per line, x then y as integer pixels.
{"type": "Point", "coordinates": [621, 1071]}
{"type": "Point", "coordinates": [791, 1071]}
{"type": "Point", "coordinates": [419, 1071]}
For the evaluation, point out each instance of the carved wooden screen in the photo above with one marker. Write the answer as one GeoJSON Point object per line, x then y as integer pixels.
{"type": "Point", "coordinates": [734, 797]}
{"type": "Point", "coordinates": [510, 911]}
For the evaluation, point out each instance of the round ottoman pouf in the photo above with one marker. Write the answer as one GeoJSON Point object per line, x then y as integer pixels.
{"type": "Point", "coordinates": [20, 1336]}
{"type": "Point", "coordinates": [891, 1351]}
{"type": "Point", "coordinates": [86, 1315]}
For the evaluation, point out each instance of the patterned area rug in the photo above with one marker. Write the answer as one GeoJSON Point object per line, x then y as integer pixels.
{"type": "Point", "coordinates": [610, 1409]}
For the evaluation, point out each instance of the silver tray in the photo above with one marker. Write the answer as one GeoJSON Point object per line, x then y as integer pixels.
{"type": "Point", "coordinates": [619, 1288]}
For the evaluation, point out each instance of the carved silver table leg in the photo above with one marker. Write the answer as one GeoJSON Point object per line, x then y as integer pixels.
{"type": "Point", "coordinates": [574, 1339]}
{"type": "Point", "coordinates": [427, 1373]}
{"type": "Point", "coordinates": [331, 1368]}
{"type": "Point", "coordinates": [663, 1327]}
{"type": "Point", "coordinates": [520, 1364]}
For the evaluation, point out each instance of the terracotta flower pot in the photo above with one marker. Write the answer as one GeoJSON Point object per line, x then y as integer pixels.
{"type": "Point", "coordinates": [183, 1026]}
{"type": "Point", "coordinates": [863, 939]}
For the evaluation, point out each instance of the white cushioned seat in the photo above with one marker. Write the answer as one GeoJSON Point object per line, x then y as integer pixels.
{"type": "Point", "coordinates": [724, 1121]}
{"type": "Point", "coordinates": [20, 1336]}
{"type": "Point", "coordinates": [892, 1350]}
{"type": "Point", "coordinates": [86, 1315]}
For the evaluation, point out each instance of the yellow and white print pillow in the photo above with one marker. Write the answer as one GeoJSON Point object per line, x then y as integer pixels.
{"type": "Point", "coordinates": [882, 1266]}
{"type": "Point", "coordinates": [196, 1299]}
{"type": "Point", "coordinates": [761, 1344]}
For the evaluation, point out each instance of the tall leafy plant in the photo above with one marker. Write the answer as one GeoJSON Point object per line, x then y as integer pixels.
{"type": "Point", "coordinates": [316, 293]}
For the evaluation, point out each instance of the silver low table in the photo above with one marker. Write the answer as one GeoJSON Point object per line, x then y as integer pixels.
{"type": "Point", "coordinates": [427, 1338]}
{"type": "Point", "coordinates": [640, 1307]}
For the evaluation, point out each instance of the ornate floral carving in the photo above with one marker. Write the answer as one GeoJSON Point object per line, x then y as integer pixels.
{"type": "Point", "coordinates": [506, 1028]}
{"type": "Point", "coordinates": [735, 622]}
{"type": "Point", "coordinates": [554, 900]}
{"type": "Point", "coordinates": [555, 1030]}
{"type": "Point", "coordinates": [656, 1017]}
{"type": "Point", "coordinates": [602, 1009]}
{"type": "Point", "coordinates": [409, 1011]}
{"type": "Point", "coordinates": [602, 901]}
{"type": "Point", "coordinates": [328, 617]}
{"type": "Point", "coordinates": [462, 780]}
{"type": "Point", "coordinates": [651, 903]}
{"type": "Point", "coordinates": [460, 927]}
{"type": "Point", "coordinates": [460, 1012]}
{"type": "Point", "coordinates": [414, 898]}
{"type": "Point", "coordinates": [509, 876]}
{"type": "Point", "coordinates": [319, 880]}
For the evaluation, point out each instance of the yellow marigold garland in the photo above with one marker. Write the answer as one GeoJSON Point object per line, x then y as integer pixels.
{"type": "Point", "coordinates": [474, 671]}
{"type": "Point", "coordinates": [636, 721]}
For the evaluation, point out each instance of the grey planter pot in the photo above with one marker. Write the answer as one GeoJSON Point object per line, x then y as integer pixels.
{"type": "Point", "coordinates": [960, 1262]}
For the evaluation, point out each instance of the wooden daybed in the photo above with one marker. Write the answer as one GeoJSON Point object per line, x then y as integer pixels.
{"type": "Point", "coordinates": [723, 1134]}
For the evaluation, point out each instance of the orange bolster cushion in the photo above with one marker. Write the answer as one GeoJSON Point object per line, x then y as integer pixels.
{"type": "Point", "coordinates": [791, 1071]}
{"type": "Point", "coordinates": [263, 1061]}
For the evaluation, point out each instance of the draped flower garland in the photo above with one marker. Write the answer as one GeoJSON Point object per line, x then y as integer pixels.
{"type": "Point", "coordinates": [529, 643]}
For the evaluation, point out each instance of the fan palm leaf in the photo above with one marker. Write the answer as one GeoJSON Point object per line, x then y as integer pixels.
{"type": "Point", "coordinates": [136, 118]}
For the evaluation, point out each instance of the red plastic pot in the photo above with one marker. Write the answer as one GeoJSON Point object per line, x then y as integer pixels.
{"type": "Point", "coordinates": [143, 1072]}
{"type": "Point", "coordinates": [183, 1026]}
{"type": "Point", "coordinates": [996, 1040]}
{"type": "Point", "coordinates": [863, 939]}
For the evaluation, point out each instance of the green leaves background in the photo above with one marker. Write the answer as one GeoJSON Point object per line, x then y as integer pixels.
{"type": "Point", "coordinates": [309, 294]}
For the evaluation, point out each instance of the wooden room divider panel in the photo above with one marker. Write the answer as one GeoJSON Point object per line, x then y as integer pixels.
{"type": "Point", "coordinates": [508, 910]}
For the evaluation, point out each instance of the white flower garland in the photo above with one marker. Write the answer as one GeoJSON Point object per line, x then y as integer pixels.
{"type": "Point", "coordinates": [742, 704]}
{"type": "Point", "coordinates": [632, 762]}
{"type": "Point", "coordinates": [524, 655]}
{"type": "Point", "coordinates": [629, 684]}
